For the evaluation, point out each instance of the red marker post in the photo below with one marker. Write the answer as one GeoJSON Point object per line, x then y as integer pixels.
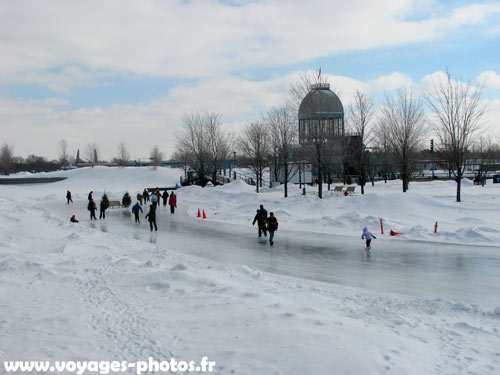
{"type": "Point", "coordinates": [436, 227]}
{"type": "Point", "coordinates": [381, 227]}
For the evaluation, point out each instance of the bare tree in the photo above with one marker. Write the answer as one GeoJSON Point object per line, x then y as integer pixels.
{"type": "Point", "coordinates": [486, 154]}
{"type": "Point", "coordinates": [185, 157]}
{"type": "Point", "coordinates": [254, 144]}
{"type": "Point", "coordinates": [91, 153]}
{"type": "Point", "coordinates": [383, 151]}
{"type": "Point", "coordinates": [458, 110]}
{"type": "Point", "coordinates": [123, 155]}
{"type": "Point", "coordinates": [301, 88]}
{"type": "Point", "coordinates": [6, 157]}
{"type": "Point", "coordinates": [283, 129]}
{"type": "Point", "coordinates": [218, 142]}
{"type": "Point", "coordinates": [63, 152]}
{"type": "Point", "coordinates": [193, 140]}
{"type": "Point", "coordinates": [156, 156]}
{"type": "Point", "coordinates": [360, 115]}
{"type": "Point", "coordinates": [402, 122]}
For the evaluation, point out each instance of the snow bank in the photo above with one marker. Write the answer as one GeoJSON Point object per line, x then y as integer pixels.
{"type": "Point", "coordinates": [414, 213]}
{"type": "Point", "coordinates": [70, 292]}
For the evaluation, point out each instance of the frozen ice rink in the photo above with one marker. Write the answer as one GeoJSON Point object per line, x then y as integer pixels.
{"type": "Point", "coordinates": [422, 269]}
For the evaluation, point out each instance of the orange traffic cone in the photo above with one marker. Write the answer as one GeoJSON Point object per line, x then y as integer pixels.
{"type": "Point", "coordinates": [198, 213]}
{"type": "Point", "coordinates": [395, 233]}
{"type": "Point", "coordinates": [204, 216]}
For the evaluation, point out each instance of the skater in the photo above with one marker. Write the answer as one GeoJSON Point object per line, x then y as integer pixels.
{"type": "Point", "coordinates": [368, 237]}
{"type": "Point", "coordinates": [73, 219]}
{"type": "Point", "coordinates": [272, 226]}
{"type": "Point", "coordinates": [92, 208]}
{"type": "Point", "coordinates": [90, 196]}
{"type": "Point", "coordinates": [263, 212]}
{"type": "Point", "coordinates": [154, 200]}
{"type": "Point", "coordinates": [68, 197]}
{"type": "Point", "coordinates": [165, 198]}
{"type": "Point", "coordinates": [139, 198]}
{"type": "Point", "coordinates": [135, 210]}
{"type": "Point", "coordinates": [261, 222]}
{"type": "Point", "coordinates": [103, 206]}
{"type": "Point", "coordinates": [151, 216]}
{"type": "Point", "coordinates": [158, 196]}
{"type": "Point", "coordinates": [172, 202]}
{"type": "Point", "coordinates": [145, 196]}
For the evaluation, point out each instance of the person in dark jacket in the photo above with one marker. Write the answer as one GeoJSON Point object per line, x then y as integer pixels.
{"type": "Point", "coordinates": [151, 216]}
{"type": "Point", "coordinates": [261, 222]}
{"type": "Point", "coordinates": [103, 206]}
{"type": "Point", "coordinates": [90, 196]}
{"type": "Point", "coordinates": [68, 197]}
{"type": "Point", "coordinates": [145, 196]}
{"type": "Point", "coordinates": [272, 226]}
{"type": "Point", "coordinates": [92, 208]}
{"type": "Point", "coordinates": [263, 212]}
{"type": "Point", "coordinates": [165, 198]}
{"type": "Point", "coordinates": [135, 210]}
{"type": "Point", "coordinates": [172, 202]}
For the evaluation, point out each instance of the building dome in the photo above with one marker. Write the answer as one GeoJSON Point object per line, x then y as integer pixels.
{"type": "Point", "coordinates": [321, 114]}
{"type": "Point", "coordinates": [320, 100]}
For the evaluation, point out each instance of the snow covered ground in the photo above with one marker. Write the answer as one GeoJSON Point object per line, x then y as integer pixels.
{"type": "Point", "coordinates": [93, 291]}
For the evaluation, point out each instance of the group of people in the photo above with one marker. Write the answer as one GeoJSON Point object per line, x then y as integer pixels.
{"type": "Point", "coordinates": [266, 223]}
{"type": "Point", "coordinates": [151, 215]}
{"type": "Point", "coordinates": [92, 206]}
{"type": "Point", "coordinates": [156, 197]}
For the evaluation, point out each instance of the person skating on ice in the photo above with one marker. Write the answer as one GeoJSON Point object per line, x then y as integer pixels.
{"type": "Point", "coordinates": [68, 197]}
{"type": "Point", "coordinates": [92, 208]}
{"type": "Point", "coordinates": [172, 202]}
{"type": "Point", "coordinates": [151, 216]}
{"type": "Point", "coordinates": [367, 235]}
{"type": "Point", "coordinates": [272, 226]}
{"type": "Point", "coordinates": [135, 210]}
{"type": "Point", "coordinates": [261, 222]}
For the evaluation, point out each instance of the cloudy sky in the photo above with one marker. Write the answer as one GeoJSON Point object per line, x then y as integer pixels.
{"type": "Point", "coordinates": [115, 70]}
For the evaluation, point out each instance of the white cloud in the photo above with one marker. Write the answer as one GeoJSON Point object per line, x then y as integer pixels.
{"type": "Point", "coordinates": [141, 125]}
{"type": "Point", "coordinates": [201, 38]}
{"type": "Point", "coordinates": [492, 118]}
{"type": "Point", "coordinates": [390, 82]}
{"type": "Point", "coordinates": [36, 126]}
{"type": "Point", "coordinates": [490, 79]}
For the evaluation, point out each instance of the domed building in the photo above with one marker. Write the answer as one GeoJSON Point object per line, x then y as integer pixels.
{"type": "Point", "coordinates": [321, 135]}
{"type": "Point", "coordinates": [321, 114]}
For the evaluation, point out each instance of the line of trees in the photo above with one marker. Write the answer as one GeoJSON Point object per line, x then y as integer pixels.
{"type": "Point", "coordinates": [91, 155]}
{"type": "Point", "coordinates": [383, 142]}
{"type": "Point", "coordinates": [203, 144]}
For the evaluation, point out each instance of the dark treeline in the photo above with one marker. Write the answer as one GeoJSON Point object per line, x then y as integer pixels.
{"type": "Point", "coordinates": [33, 164]}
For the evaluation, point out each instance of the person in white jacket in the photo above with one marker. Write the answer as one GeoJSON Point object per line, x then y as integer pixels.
{"type": "Point", "coordinates": [367, 235]}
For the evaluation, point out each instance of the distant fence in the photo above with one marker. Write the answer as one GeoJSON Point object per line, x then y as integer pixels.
{"type": "Point", "coordinates": [30, 180]}
{"type": "Point", "coordinates": [249, 179]}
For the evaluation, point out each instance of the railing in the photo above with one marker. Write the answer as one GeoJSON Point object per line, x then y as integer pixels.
{"type": "Point", "coordinates": [249, 179]}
